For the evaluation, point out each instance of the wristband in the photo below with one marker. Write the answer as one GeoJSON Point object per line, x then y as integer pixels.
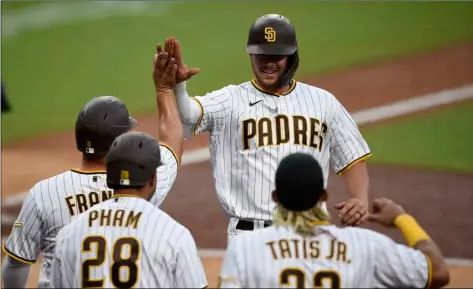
{"type": "Point", "coordinates": [410, 229]}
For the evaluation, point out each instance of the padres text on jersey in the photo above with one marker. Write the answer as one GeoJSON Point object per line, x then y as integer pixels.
{"type": "Point", "coordinates": [252, 130]}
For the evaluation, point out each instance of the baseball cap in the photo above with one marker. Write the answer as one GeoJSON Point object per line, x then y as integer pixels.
{"type": "Point", "coordinates": [132, 160]}
{"type": "Point", "coordinates": [299, 182]}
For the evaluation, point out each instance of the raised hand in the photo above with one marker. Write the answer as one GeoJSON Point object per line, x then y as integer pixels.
{"type": "Point", "coordinates": [164, 70]}
{"type": "Point", "coordinates": [385, 211]}
{"type": "Point", "coordinates": [174, 50]}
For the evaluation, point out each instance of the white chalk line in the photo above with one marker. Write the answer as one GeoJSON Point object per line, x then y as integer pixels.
{"type": "Point", "coordinates": [362, 117]}
{"type": "Point", "coordinates": [53, 14]}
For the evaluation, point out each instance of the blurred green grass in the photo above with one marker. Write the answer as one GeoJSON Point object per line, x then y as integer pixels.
{"type": "Point", "coordinates": [50, 72]}
{"type": "Point", "coordinates": [439, 139]}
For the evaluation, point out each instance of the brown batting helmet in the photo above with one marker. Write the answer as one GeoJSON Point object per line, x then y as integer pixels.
{"type": "Point", "coordinates": [273, 34]}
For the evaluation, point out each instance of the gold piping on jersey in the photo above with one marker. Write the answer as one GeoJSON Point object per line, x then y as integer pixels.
{"type": "Point", "coordinates": [17, 224]}
{"type": "Point", "coordinates": [172, 151]}
{"type": "Point", "coordinates": [350, 165]}
{"type": "Point", "coordinates": [87, 172]}
{"type": "Point", "coordinates": [291, 88]}
{"type": "Point", "coordinates": [125, 195]}
{"type": "Point", "coordinates": [429, 278]}
{"type": "Point", "coordinates": [320, 223]}
{"type": "Point", "coordinates": [13, 256]}
{"type": "Point", "coordinates": [201, 114]}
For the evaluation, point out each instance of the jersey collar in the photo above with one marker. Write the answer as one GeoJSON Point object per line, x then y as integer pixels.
{"type": "Point", "coordinates": [291, 88]}
{"type": "Point", "coordinates": [86, 172]}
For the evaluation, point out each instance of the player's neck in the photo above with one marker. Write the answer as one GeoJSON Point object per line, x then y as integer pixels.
{"type": "Point", "coordinates": [92, 165]}
{"type": "Point", "coordinates": [273, 90]}
{"type": "Point", "coordinates": [129, 193]}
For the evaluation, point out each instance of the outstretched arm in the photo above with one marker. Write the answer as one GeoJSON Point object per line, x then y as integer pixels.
{"type": "Point", "coordinates": [200, 113]}
{"type": "Point", "coordinates": [164, 77]}
{"type": "Point", "coordinates": [23, 245]}
{"type": "Point", "coordinates": [169, 126]}
{"type": "Point", "coordinates": [190, 110]}
{"type": "Point", "coordinates": [348, 152]}
{"type": "Point", "coordinates": [398, 266]}
{"type": "Point", "coordinates": [14, 273]}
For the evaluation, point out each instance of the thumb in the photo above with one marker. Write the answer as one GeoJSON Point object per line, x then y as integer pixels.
{"type": "Point", "coordinates": [174, 70]}
{"type": "Point", "coordinates": [338, 206]}
{"type": "Point", "coordinates": [155, 59]}
{"type": "Point", "coordinates": [374, 217]}
{"type": "Point", "coordinates": [193, 71]}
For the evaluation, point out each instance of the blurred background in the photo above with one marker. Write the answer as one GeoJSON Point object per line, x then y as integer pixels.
{"type": "Point", "coordinates": [403, 69]}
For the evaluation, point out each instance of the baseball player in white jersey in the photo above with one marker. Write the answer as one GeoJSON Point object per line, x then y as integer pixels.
{"type": "Point", "coordinates": [127, 242]}
{"type": "Point", "coordinates": [255, 124]}
{"type": "Point", "coordinates": [302, 250]}
{"type": "Point", "coordinates": [55, 202]}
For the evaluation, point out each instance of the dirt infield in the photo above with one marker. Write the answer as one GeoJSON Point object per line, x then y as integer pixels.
{"type": "Point", "coordinates": [441, 201]}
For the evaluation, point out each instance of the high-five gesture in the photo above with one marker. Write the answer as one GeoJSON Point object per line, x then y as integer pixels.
{"type": "Point", "coordinates": [174, 50]}
{"type": "Point", "coordinates": [164, 70]}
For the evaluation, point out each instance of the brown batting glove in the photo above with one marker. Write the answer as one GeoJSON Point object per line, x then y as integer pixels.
{"type": "Point", "coordinates": [352, 212]}
{"type": "Point", "coordinates": [385, 211]}
{"type": "Point", "coordinates": [164, 71]}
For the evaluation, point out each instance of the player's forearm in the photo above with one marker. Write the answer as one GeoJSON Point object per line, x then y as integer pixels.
{"type": "Point", "coordinates": [357, 181]}
{"type": "Point", "coordinates": [14, 273]}
{"type": "Point", "coordinates": [170, 127]}
{"type": "Point", "coordinates": [190, 111]}
{"type": "Point", "coordinates": [417, 238]}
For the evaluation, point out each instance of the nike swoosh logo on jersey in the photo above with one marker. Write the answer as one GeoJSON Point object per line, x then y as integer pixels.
{"type": "Point", "coordinates": [253, 103]}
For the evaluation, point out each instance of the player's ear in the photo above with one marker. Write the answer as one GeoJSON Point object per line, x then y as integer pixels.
{"type": "Point", "coordinates": [324, 196]}
{"type": "Point", "coordinates": [275, 196]}
{"type": "Point", "coordinates": [152, 181]}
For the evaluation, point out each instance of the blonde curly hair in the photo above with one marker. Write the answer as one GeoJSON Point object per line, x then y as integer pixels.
{"type": "Point", "coordinates": [303, 222]}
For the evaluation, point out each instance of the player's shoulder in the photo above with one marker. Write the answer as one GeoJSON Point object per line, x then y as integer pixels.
{"type": "Point", "coordinates": [224, 92]}
{"type": "Point", "coordinates": [356, 233]}
{"type": "Point", "coordinates": [50, 184]}
{"type": "Point", "coordinates": [154, 214]}
{"type": "Point", "coordinates": [232, 89]}
{"type": "Point", "coordinates": [315, 90]}
{"type": "Point", "coordinates": [169, 229]}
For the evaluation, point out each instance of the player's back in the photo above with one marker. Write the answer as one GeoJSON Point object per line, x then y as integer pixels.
{"type": "Point", "coordinates": [50, 205]}
{"type": "Point", "coordinates": [123, 242]}
{"type": "Point", "coordinates": [333, 258]}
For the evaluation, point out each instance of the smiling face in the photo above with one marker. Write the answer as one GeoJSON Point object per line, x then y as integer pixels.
{"type": "Point", "coordinates": [268, 70]}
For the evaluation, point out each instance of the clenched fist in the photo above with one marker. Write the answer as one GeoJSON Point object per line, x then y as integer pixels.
{"type": "Point", "coordinates": [385, 211]}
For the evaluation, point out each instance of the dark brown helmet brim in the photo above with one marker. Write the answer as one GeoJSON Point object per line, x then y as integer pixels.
{"type": "Point", "coordinates": [271, 49]}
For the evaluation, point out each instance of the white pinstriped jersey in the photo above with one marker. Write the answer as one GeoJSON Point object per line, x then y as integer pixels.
{"type": "Point", "coordinates": [55, 202]}
{"type": "Point", "coordinates": [252, 131]}
{"type": "Point", "coordinates": [278, 257]}
{"type": "Point", "coordinates": [126, 242]}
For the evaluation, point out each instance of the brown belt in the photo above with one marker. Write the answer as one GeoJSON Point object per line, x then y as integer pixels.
{"type": "Point", "coordinates": [249, 225]}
